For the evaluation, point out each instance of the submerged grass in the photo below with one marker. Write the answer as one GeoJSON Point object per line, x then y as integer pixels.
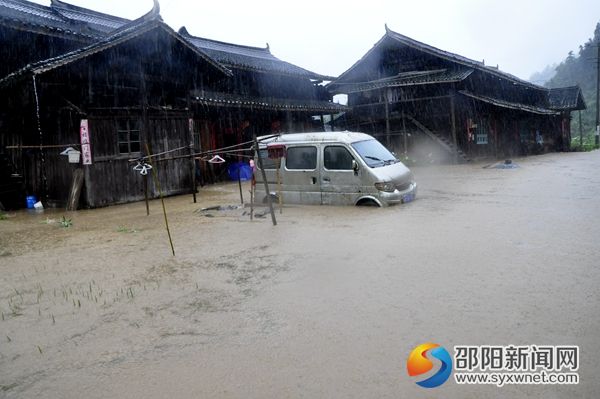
{"type": "Point", "coordinates": [125, 229]}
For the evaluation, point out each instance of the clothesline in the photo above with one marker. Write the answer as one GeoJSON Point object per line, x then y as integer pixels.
{"type": "Point", "coordinates": [199, 155]}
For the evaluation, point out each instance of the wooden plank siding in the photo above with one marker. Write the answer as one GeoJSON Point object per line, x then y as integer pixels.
{"type": "Point", "coordinates": [111, 178]}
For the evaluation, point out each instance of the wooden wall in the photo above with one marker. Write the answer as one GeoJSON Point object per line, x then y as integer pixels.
{"type": "Point", "coordinates": [111, 178]}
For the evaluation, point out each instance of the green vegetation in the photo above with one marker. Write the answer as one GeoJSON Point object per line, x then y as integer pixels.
{"type": "Point", "coordinates": [125, 229]}
{"type": "Point", "coordinates": [66, 223]}
{"type": "Point", "coordinates": [587, 143]}
{"type": "Point", "coordinates": [581, 70]}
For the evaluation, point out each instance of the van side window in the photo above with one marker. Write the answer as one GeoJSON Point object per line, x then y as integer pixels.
{"type": "Point", "coordinates": [301, 158]}
{"type": "Point", "coordinates": [266, 161]}
{"type": "Point", "coordinates": [337, 158]}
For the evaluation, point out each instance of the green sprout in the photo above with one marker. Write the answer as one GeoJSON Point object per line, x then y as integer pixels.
{"type": "Point", "coordinates": [66, 223]}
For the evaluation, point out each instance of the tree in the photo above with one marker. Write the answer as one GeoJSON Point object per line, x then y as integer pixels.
{"type": "Point", "coordinates": [581, 70]}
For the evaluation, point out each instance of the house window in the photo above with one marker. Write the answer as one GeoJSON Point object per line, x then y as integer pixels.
{"type": "Point", "coordinates": [128, 132]}
{"type": "Point", "coordinates": [482, 138]}
{"type": "Point", "coordinates": [481, 133]}
{"type": "Point", "coordinates": [301, 158]}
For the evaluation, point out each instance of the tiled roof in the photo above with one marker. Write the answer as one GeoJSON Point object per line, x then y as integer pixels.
{"type": "Point", "coordinates": [508, 104]}
{"type": "Point", "coordinates": [268, 103]}
{"type": "Point", "coordinates": [412, 78]}
{"type": "Point", "coordinates": [247, 57]}
{"type": "Point", "coordinates": [566, 98]}
{"type": "Point", "coordinates": [28, 15]}
{"type": "Point", "coordinates": [98, 21]}
{"type": "Point", "coordinates": [127, 32]}
{"type": "Point", "coordinates": [426, 48]}
{"type": "Point", "coordinates": [457, 58]}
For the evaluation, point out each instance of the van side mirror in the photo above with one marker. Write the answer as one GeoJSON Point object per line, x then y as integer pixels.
{"type": "Point", "coordinates": [355, 166]}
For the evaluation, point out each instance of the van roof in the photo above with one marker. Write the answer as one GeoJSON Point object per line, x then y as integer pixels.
{"type": "Point", "coordinates": [316, 137]}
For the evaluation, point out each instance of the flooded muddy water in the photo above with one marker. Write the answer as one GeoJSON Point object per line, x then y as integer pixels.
{"type": "Point", "coordinates": [329, 303]}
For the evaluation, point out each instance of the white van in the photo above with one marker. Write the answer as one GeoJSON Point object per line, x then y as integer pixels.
{"type": "Point", "coordinates": [336, 168]}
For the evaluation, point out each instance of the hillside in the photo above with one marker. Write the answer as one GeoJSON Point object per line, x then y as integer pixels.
{"type": "Point", "coordinates": [581, 69]}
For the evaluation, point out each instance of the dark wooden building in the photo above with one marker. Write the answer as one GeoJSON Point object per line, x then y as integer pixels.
{"type": "Point", "coordinates": [264, 95]}
{"type": "Point", "coordinates": [133, 84]}
{"type": "Point", "coordinates": [437, 106]}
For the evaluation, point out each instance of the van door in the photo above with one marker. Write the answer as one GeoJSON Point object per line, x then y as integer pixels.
{"type": "Point", "coordinates": [301, 175]}
{"type": "Point", "coordinates": [340, 185]}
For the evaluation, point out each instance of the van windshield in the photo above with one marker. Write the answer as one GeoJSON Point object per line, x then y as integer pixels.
{"type": "Point", "coordinates": [374, 153]}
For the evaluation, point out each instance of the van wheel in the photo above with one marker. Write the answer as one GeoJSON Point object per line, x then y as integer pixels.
{"type": "Point", "coordinates": [367, 202]}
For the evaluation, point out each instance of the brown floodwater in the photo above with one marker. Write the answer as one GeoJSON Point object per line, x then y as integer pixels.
{"type": "Point", "coordinates": [329, 303]}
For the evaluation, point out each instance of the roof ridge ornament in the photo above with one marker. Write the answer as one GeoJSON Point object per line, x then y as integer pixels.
{"type": "Point", "coordinates": [183, 31]}
{"type": "Point", "coordinates": [152, 15]}
{"type": "Point", "coordinates": [387, 30]}
{"type": "Point", "coordinates": [268, 48]}
{"type": "Point", "coordinates": [155, 8]}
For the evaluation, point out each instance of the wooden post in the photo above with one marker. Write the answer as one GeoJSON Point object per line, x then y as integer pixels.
{"type": "Point", "coordinates": [387, 118]}
{"type": "Point", "coordinates": [239, 173]}
{"type": "Point", "coordinates": [252, 199]}
{"type": "Point", "coordinates": [405, 136]}
{"type": "Point", "coordinates": [279, 196]}
{"type": "Point", "coordinates": [264, 176]}
{"type": "Point", "coordinates": [580, 132]}
{"type": "Point", "coordinates": [144, 130]}
{"type": "Point", "coordinates": [453, 122]}
{"type": "Point", "coordinates": [597, 133]}
{"type": "Point", "coordinates": [75, 190]}
{"type": "Point", "coordinates": [146, 195]}
{"type": "Point", "coordinates": [192, 160]}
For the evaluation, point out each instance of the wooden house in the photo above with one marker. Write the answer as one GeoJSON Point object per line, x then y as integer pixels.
{"type": "Point", "coordinates": [436, 106]}
{"type": "Point", "coordinates": [128, 85]}
{"type": "Point", "coordinates": [118, 86]}
{"type": "Point", "coordinates": [265, 95]}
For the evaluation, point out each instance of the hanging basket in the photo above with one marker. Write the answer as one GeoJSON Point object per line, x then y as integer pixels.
{"type": "Point", "coordinates": [74, 156]}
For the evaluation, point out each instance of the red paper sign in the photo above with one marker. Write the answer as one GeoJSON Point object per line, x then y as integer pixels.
{"type": "Point", "coordinates": [86, 147]}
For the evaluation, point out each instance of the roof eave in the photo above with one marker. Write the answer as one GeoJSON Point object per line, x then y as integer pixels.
{"type": "Point", "coordinates": [109, 42]}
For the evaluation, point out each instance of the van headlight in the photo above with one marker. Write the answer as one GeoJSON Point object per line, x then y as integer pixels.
{"type": "Point", "coordinates": [388, 187]}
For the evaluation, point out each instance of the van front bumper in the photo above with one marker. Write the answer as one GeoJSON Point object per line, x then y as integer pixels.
{"type": "Point", "coordinates": [399, 197]}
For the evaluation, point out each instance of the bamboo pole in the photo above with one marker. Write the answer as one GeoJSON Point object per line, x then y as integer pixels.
{"type": "Point", "coordinates": [453, 127]}
{"type": "Point", "coordinates": [264, 176]}
{"type": "Point", "coordinates": [162, 200]}
{"type": "Point", "coordinates": [239, 175]}
{"type": "Point", "coordinates": [279, 197]}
